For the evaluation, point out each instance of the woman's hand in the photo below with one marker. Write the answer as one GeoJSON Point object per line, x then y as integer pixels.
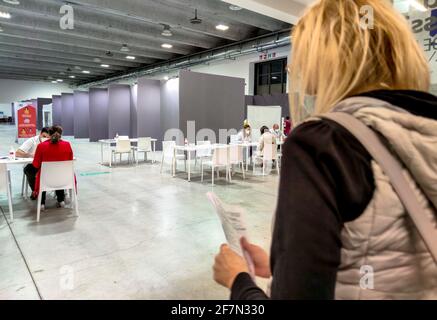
{"type": "Point", "coordinates": [259, 257]}
{"type": "Point", "coordinates": [228, 265]}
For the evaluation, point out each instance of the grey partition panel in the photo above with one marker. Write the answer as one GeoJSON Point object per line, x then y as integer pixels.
{"type": "Point", "coordinates": [67, 114]}
{"type": "Point", "coordinates": [41, 102]}
{"type": "Point", "coordinates": [98, 121]}
{"type": "Point", "coordinates": [169, 107]}
{"type": "Point", "coordinates": [213, 102]}
{"type": "Point", "coordinates": [119, 115]}
{"type": "Point", "coordinates": [149, 108]}
{"type": "Point", "coordinates": [57, 110]}
{"type": "Point", "coordinates": [271, 100]}
{"type": "Point", "coordinates": [81, 115]}
{"type": "Point", "coordinates": [133, 111]}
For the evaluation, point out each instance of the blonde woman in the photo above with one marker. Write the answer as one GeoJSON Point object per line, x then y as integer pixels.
{"type": "Point", "coordinates": [340, 229]}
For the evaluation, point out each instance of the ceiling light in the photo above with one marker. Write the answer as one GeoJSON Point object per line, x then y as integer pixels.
{"type": "Point", "coordinates": [5, 15]}
{"type": "Point", "coordinates": [97, 60]}
{"type": "Point", "coordinates": [104, 65]}
{"type": "Point", "coordinates": [130, 57]}
{"type": "Point", "coordinates": [60, 80]}
{"type": "Point", "coordinates": [14, 2]}
{"type": "Point", "coordinates": [54, 81]}
{"type": "Point", "coordinates": [416, 5]}
{"type": "Point", "coordinates": [195, 20]}
{"type": "Point", "coordinates": [124, 48]}
{"type": "Point", "coordinates": [72, 77]}
{"type": "Point", "coordinates": [166, 78]}
{"type": "Point", "coordinates": [166, 46]}
{"type": "Point", "coordinates": [86, 72]}
{"type": "Point", "coordinates": [222, 27]}
{"type": "Point", "coordinates": [1, 29]}
{"type": "Point", "coordinates": [77, 68]}
{"type": "Point", "coordinates": [167, 31]}
{"type": "Point", "coordinates": [235, 8]}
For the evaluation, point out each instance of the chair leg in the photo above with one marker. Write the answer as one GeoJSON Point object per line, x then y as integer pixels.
{"type": "Point", "coordinates": [201, 172]}
{"type": "Point", "coordinates": [38, 210]}
{"type": "Point", "coordinates": [22, 184]}
{"type": "Point", "coordinates": [230, 174]}
{"type": "Point", "coordinates": [76, 205]}
{"type": "Point", "coordinates": [264, 168]}
{"type": "Point", "coordinates": [212, 174]}
{"type": "Point", "coordinates": [254, 165]}
{"type": "Point", "coordinates": [244, 171]}
{"type": "Point", "coordinates": [162, 162]}
{"type": "Point", "coordinates": [11, 210]}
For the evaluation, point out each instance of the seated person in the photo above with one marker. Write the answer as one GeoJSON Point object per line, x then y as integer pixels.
{"type": "Point", "coordinates": [266, 139]}
{"type": "Point", "coordinates": [287, 126]}
{"type": "Point", "coordinates": [245, 135]}
{"type": "Point", "coordinates": [27, 150]}
{"type": "Point", "coordinates": [277, 132]}
{"type": "Point", "coordinates": [55, 149]}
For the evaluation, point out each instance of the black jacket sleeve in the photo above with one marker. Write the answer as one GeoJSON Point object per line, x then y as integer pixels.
{"type": "Point", "coordinates": [326, 180]}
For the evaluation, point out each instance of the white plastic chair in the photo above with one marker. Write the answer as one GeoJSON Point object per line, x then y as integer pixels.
{"type": "Point", "coordinates": [24, 185]}
{"type": "Point", "coordinates": [205, 152]}
{"type": "Point", "coordinates": [234, 139]}
{"type": "Point", "coordinates": [268, 154]}
{"type": "Point", "coordinates": [220, 159]}
{"type": "Point", "coordinates": [122, 146]}
{"type": "Point", "coordinates": [5, 187]}
{"type": "Point", "coordinates": [144, 146]}
{"type": "Point", "coordinates": [236, 157]}
{"type": "Point", "coordinates": [169, 155]}
{"type": "Point", "coordinates": [57, 176]}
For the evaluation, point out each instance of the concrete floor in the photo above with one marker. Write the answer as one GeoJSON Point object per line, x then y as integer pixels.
{"type": "Point", "coordinates": [140, 234]}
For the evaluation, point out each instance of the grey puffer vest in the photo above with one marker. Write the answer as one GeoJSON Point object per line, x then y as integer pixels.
{"type": "Point", "coordinates": [383, 255]}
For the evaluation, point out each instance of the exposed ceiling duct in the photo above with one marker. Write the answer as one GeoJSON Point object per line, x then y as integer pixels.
{"type": "Point", "coordinates": [259, 44]}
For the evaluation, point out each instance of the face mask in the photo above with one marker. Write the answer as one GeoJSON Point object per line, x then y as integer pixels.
{"type": "Point", "coordinates": [44, 139]}
{"type": "Point", "coordinates": [248, 132]}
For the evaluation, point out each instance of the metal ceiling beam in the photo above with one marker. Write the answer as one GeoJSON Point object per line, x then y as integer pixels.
{"type": "Point", "coordinates": [152, 12]}
{"type": "Point", "coordinates": [221, 11]}
{"type": "Point", "coordinates": [97, 22]}
{"type": "Point", "coordinates": [71, 63]}
{"type": "Point", "coordinates": [77, 59]}
{"type": "Point", "coordinates": [66, 48]}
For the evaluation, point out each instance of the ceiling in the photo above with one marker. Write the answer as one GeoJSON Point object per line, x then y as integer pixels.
{"type": "Point", "coordinates": [34, 47]}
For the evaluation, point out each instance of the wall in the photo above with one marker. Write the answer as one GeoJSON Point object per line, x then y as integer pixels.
{"type": "Point", "coordinates": [213, 102]}
{"type": "Point", "coordinates": [57, 110]}
{"type": "Point", "coordinates": [119, 106]}
{"type": "Point", "coordinates": [169, 107]}
{"type": "Point", "coordinates": [17, 90]}
{"type": "Point", "coordinates": [67, 118]}
{"type": "Point", "coordinates": [98, 121]}
{"type": "Point", "coordinates": [81, 115]}
{"type": "Point", "coordinates": [40, 104]}
{"type": "Point", "coordinates": [134, 111]}
{"type": "Point", "coordinates": [241, 67]}
{"type": "Point", "coordinates": [6, 109]}
{"type": "Point", "coordinates": [149, 108]}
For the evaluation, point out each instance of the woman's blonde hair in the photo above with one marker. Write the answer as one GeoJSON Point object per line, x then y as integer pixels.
{"type": "Point", "coordinates": [335, 56]}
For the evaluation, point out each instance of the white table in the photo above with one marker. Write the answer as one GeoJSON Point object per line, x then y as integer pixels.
{"type": "Point", "coordinates": [248, 145]}
{"type": "Point", "coordinates": [189, 149]}
{"type": "Point", "coordinates": [110, 142]}
{"type": "Point", "coordinates": [22, 161]}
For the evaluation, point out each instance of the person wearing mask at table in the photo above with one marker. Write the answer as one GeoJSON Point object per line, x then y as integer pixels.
{"type": "Point", "coordinates": [245, 135]}
{"type": "Point", "coordinates": [277, 132]}
{"type": "Point", "coordinates": [55, 149]}
{"type": "Point", "coordinates": [27, 150]}
{"type": "Point", "coordinates": [340, 228]}
{"type": "Point", "coordinates": [287, 126]}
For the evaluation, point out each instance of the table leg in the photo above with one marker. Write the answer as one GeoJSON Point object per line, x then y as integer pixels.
{"type": "Point", "coordinates": [173, 163]}
{"type": "Point", "coordinates": [247, 158]}
{"type": "Point", "coordinates": [189, 166]}
{"type": "Point", "coordinates": [101, 153]}
{"type": "Point", "coordinates": [154, 152]}
{"type": "Point", "coordinates": [110, 156]}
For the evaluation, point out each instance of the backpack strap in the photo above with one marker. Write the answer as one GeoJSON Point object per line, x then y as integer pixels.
{"type": "Point", "coordinates": [393, 169]}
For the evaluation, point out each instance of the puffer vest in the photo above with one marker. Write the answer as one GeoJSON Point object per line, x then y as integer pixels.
{"type": "Point", "coordinates": [383, 255]}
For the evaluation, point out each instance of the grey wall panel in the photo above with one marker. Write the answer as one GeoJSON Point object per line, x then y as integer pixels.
{"type": "Point", "coordinates": [98, 121]}
{"type": "Point", "coordinates": [149, 108]}
{"type": "Point", "coordinates": [213, 102]}
{"type": "Point", "coordinates": [272, 100]}
{"type": "Point", "coordinates": [169, 108]}
{"type": "Point", "coordinates": [57, 110]}
{"type": "Point", "coordinates": [13, 112]}
{"type": "Point", "coordinates": [81, 115]}
{"type": "Point", "coordinates": [119, 105]}
{"type": "Point", "coordinates": [67, 119]}
{"type": "Point", "coordinates": [41, 102]}
{"type": "Point", "coordinates": [133, 111]}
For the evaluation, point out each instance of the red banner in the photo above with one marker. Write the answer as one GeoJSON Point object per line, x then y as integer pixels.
{"type": "Point", "coordinates": [26, 122]}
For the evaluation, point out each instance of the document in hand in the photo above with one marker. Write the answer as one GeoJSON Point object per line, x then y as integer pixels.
{"type": "Point", "coordinates": [234, 226]}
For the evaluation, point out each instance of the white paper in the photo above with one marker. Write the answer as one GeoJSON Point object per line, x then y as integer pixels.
{"type": "Point", "coordinates": [234, 226]}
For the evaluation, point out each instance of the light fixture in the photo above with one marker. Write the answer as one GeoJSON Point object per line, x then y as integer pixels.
{"type": "Point", "coordinates": [222, 27]}
{"type": "Point", "coordinates": [97, 60]}
{"type": "Point", "coordinates": [124, 48]}
{"type": "Point", "coordinates": [416, 5]}
{"type": "Point", "coordinates": [5, 15]}
{"type": "Point", "coordinates": [72, 77]}
{"type": "Point", "coordinates": [14, 2]}
{"type": "Point", "coordinates": [60, 80]}
{"type": "Point", "coordinates": [77, 68]}
{"type": "Point", "coordinates": [104, 65]}
{"type": "Point", "coordinates": [167, 46]}
{"type": "Point", "coordinates": [1, 29]}
{"type": "Point", "coordinates": [54, 81]}
{"type": "Point", "coordinates": [130, 57]}
{"type": "Point", "coordinates": [86, 72]}
{"type": "Point", "coordinates": [166, 78]}
{"type": "Point", "coordinates": [167, 31]}
{"type": "Point", "coordinates": [235, 8]}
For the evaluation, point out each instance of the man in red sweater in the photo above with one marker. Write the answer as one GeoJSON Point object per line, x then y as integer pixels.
{"type": "Point", "coordinates": [54, 149]}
